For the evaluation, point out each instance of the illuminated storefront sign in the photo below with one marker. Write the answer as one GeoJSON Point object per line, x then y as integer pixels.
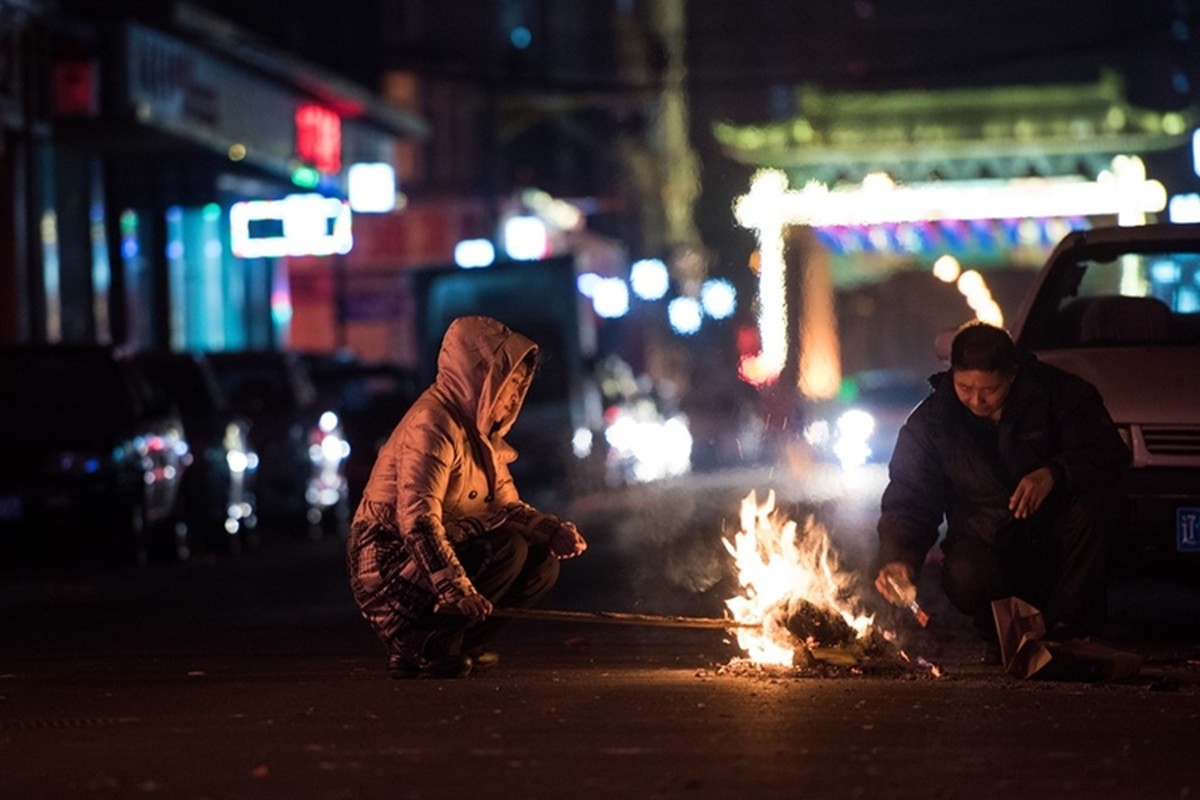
{"type": "Point", "coordinates": [319, 137]}
{"type": "Point", "coordinates": [371, 188]}
{"type": "Point", "coordinates": [297, 225]}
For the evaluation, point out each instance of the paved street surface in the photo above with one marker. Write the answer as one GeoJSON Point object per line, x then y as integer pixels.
{"type": "Point", "coordinates": [253, 677]}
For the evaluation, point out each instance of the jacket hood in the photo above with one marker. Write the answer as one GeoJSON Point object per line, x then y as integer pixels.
{"type": "Point", "coordinates": [476, 357]}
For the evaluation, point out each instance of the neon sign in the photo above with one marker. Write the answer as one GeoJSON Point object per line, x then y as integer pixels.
{"type": "Point", "coordinates": [297, 225]}
{"type": "Point", "coordinates": [319, 137]}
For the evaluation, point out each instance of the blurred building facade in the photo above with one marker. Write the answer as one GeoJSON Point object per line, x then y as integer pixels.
{"type": "Point", "coordinates": [152, 145]}
{"type": "Point", "coordinates": [143, 138]}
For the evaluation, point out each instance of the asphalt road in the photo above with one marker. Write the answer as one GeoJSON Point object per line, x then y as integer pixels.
{"type": "Point", "coordinates": [253, 677]}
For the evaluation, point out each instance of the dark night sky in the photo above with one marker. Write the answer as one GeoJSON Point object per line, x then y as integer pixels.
{"type": "Point", "coordinates": [744, 47]}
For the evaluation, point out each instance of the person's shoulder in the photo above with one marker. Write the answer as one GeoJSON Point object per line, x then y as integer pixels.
{"type": "Point", "coordinates": [939, 400]}
{"type": "Point", "coordinates": [1062, 386]}
{"type": "Point", "coordinates": [1055, 376]}
{"type": "Point", "coordinates": [429, 411]}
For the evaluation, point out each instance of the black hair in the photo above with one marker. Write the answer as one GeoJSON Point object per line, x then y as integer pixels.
{"type": "Point", "coordinates": [532, 360]}
{"type": "Point", "coordinates": [984, 347]}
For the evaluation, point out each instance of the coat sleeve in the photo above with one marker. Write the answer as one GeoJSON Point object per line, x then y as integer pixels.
{"type": "Point", "coordinates": [426, 452]}
{"type": "Point", "coordinates": [915, 499]}
{"type": "Point", "coordinates": [1091, 454]}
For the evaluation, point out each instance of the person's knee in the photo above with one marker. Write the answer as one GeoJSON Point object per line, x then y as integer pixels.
{"type": "Point", "coordinates": [509, 551]}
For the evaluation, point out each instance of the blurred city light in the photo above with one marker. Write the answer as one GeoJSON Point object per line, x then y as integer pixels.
{"type": "Point", "coordinates": [586, 283]}
{"type": "Point", "coordinates": [610, 298]}
{"type": "Point", "coordinates": [474, 253]}
{"type": "Point", "coordinates": [761, 211]}
{"type": "Point", "coordinates": [581, 443]}
{"type": "Point", "coordinates": [854, 430]}
{"type": "Point", "coordinates": [719, 298]}
{"type": "Point", "coordinates": [525, 238]}
{"type": "Point", "coordinates": [297, 225]}
{"type": "Point", "coordinates": [649, 278]}
{"type": "Point", "coordinates": [651, 449]}
{"type": "Point", "coordinates": [947, 269]}
{"type": "Point", "coordinates": [1184, 208]}
{"type": "Point", "coordinates": [685, 315]}
{"type": "Point", "coordinates": [975, 289]}
{"type": "Point", "coordinates": [521, 37]}
{"type": "Point", "coordinates": [371, 187]}
{"type": "Point", "coordinates": [561, 214]}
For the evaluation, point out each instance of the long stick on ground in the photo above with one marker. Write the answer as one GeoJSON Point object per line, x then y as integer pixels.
{"type": "Point", "coordinates": [622, 618]}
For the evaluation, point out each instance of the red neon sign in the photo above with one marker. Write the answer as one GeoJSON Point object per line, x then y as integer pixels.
{"type": "Point", "coordinates": [319, 137]}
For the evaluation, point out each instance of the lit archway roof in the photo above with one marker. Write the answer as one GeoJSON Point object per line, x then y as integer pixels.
{"type": "Point", "coordinates": [956, 134]}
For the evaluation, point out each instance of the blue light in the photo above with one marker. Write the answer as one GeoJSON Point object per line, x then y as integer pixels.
{"type": "Point", "coordinates": [520, 37]}
{"type": "Point", "coordinates": [1164, 272]}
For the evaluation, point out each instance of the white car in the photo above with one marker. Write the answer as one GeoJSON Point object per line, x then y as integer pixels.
{"type": "Point", "coordinates": [1120, 306]}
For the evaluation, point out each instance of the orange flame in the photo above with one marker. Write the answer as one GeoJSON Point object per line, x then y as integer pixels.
{"type": "Point", "coordinates": [779, 567]}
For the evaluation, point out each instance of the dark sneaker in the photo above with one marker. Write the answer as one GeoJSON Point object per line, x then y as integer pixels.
{"type": "Point", "coordinates": [992, 656]}
{"type": "Point", "coordinates": [448, 666]}
{"type": "Point", "coordinates": [422, 654]}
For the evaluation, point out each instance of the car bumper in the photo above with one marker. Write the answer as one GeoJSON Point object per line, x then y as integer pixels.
{"type": "Point", "coordinates": [1164, 522]}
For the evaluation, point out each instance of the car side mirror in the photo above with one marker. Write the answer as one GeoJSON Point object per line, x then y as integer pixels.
{"type": "Point", "coordinates": [942, 342]}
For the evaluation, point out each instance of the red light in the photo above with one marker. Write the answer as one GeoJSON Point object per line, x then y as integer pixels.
{"type": "Point", "coordinates": [319, 137]}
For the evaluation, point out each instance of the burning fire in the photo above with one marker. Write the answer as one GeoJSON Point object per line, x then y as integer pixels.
{"type": "Point", "coordinates": [782, 572]}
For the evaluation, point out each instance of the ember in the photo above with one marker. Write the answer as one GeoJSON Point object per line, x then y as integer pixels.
{"type": "Point", "coordinates": [791, 582]}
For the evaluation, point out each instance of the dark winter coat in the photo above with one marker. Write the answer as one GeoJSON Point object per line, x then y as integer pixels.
{"type": "Point", "coordinates": [942, 468]}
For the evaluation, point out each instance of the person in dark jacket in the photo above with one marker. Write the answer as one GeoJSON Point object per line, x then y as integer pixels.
{"type": "Point", "coordinates": [1022, 462]}
{"type": "Point", "coordinates": [441, 536]}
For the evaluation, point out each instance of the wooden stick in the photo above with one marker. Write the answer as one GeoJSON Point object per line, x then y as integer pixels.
{"type": "Point", "coordinates": [622, 618]}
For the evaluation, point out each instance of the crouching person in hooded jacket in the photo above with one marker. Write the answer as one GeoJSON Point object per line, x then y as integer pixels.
{"type": "Point", "coordinates": [441, 537]}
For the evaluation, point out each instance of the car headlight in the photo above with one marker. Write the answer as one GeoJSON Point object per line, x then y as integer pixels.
{"type": "Point", "coordinates": [856, 424]}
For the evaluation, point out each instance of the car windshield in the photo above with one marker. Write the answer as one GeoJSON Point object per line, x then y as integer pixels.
{"type": "Point", "coordinates": [1129, 299]}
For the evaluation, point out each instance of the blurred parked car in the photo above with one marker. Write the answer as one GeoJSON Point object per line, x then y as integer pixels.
{"type": "Point", "coordinates": [1120, 306]}
{"type": "Point", "coordinates": [94, 457]}
{"type": "Point", "coordinates": [218, 493]}
{"type": "Point", "coordinates": [370, 398]}
{"type": "Point", "coordinates": [299, 441]}
{"type": "Point", "coordinates": [861, 424]}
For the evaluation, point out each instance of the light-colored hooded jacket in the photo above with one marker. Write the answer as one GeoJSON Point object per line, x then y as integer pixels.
{"type": "Point", "coordinates": [443, 476]}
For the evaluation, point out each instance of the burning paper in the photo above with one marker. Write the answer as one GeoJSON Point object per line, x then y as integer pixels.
{"type": "Point", "coordinates": [791, 583]}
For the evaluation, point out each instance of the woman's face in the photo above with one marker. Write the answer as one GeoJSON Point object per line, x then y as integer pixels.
{"type": "Point", "coordinates": [509, 395]}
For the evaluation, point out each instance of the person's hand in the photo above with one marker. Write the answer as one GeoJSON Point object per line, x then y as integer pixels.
{"type": "Point", "coordinates": [474, 607]}
{"type": "Point", "coordinates": [566, 542]}
{"type": "Point", "coordinates": [891, 575]}
{"type": "Point", "coordinates": [1031, 492]}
